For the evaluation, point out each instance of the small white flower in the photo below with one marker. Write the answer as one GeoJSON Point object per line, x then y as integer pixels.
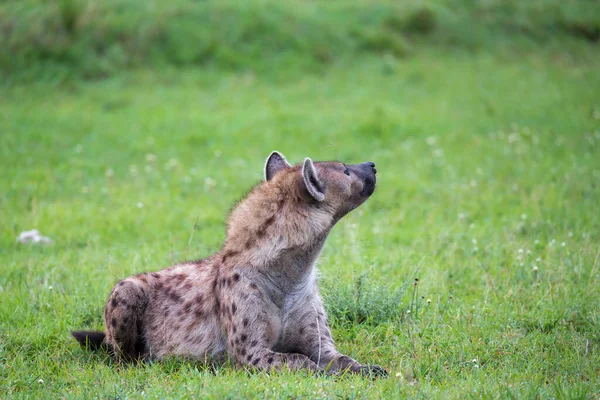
{"type": "Point", "coordinates": [536, 241]}
{"type": "Point", "coordinates": [474, 361]}
{"type": "Point", "coordinates": [408, 311]}
{"type": "Point", "coordinates": [535, 268]}
{"type": "Point", "coordinates": [209, 183]}
{"type": "Point", "coordinates": [552, 242]}
{"type": "Point", "coordinates": [521, 251]}
{"type": "Point", "coordinates": [570, 234]}
{"type": "Point", "coordinates": [428, 301]}
{"type": "Point", "coordinates": [40, 381]}
{"type": "Point", "coordinates": [523, 216]}
{"type": "Point", "coordinates": [109, 172]}
{"type": "Point", "coordinates": [528, 251]}
{"type": "Point", "coordinates": [140, 204]}
{"type": "Point", "coordinates": [538, 260]}
{"type": "Point", "coordinates": [473, 183]}
{"type": "Point", "coordinates": [50, 288]}
{"type": "Point", "coordinates": [150, 158]}
{"type": "Point", "coordinates": [474, 241]}
{"type": "Point", "coordinates": [431, 140]}
{"type": "Point", "coordinates": [563, 244]}
{"type": "Point", "coordinates": [172, 163]}
{"type": "Point", "coordinates": [475, 249]}
{"type": "Point", "coordinates": [462, 215]}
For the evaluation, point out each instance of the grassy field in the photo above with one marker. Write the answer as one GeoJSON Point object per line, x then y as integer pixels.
{"type": "Point", "coordinates": [488, 193]}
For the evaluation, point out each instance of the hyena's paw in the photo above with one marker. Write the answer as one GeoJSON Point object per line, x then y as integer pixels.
{"type": "Point", "coordinates": [373, 371]}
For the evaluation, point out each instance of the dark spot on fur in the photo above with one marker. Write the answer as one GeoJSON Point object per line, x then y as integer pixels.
{"type": "Point", "coordinates": [113, 322]}
{"type": "Point", "coordinates": [249, 357]}
{"type": "Point", "coordinates": [245, 322]}
{"type": "Point", "coordinates": [155, 275]}
{"type": "Point", "coordinates": [270, 360]}
{"type": "Point", "coordinates": [123, 327]}
{"type": "Point", "coordinates": [301, 330]}
{"type": "Point", "coordinates": [313, 325]}
{"type": "Point", "coordinates": [242, 351]}
{"type": "Point", "coordinates": [236, 277]}
{"type": "Point", "coordinates": [234, 329]}
{"type": "Point", "coordinates": [269, 221]}
{"type": "Point", "coordinates": [280, 203]}
{"type": "Point", "coordinates": [254, 343]}
{"type": "Point", "coordinates": [244, 337]}
{"type": "Point", "coordinates": [114, 302]}
{"type": "Point", "coordinates": [198, 313]}
{"type": "Point", "coordinates": [174, 297]}
{"type": "Point", "coordinates": [228, 254]}
{"type": "Point", "coordinates": [256, 360]}
{"type": "Point", "coordinates": [121, 283]}
{"type": "Point", "coordinates": [199, 299]}
{"type": "Point", "coordinates": [253, 286]}
{"type": "Point", "coordinates": [178, 279]}
{"type": "Point", "coordinates": [187, 286]}
{"type": "Point", "coordinates": [142, 277]}
{"type": "Point", "coordinates": [159, 285]}
{"type": "Point", "coordinates": [233, 308]}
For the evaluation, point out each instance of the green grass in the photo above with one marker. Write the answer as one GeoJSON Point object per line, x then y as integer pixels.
{"type": "Point", "coordinates": [488, 194]}
{"type": "Point", "coordinates": [62, 39]}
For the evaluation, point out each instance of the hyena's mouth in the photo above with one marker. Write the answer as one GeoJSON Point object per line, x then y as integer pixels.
{"type": "Point", "coordinates": [369, 187]}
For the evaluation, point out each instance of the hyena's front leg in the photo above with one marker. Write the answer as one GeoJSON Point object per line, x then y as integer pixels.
{"type": "Point", "coordinates": [313, 337]}
{"type": "Point", "coordinates": [251, 333]}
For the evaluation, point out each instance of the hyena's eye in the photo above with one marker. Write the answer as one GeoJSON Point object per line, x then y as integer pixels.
{"type": "Point", "coordinates": [347, 171]}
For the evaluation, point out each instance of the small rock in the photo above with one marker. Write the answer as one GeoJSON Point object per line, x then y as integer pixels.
{"type": "Point", "coordinates": [33, 236]}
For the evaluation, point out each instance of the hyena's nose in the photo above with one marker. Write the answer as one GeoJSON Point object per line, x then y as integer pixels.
{"type": "Point", "coordinates": [372, 165]}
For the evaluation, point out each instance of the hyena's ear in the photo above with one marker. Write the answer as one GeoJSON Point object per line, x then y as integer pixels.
{"type": "Point", "coordinates": [311, 180]}
{"type": "Point", "coordinates": [275, 163]}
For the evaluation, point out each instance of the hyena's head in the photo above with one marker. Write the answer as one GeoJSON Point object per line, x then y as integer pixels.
{"type": "Point", "coordinates": [331, 186]}
{"type": "Point", "coordinates": [295, 207]}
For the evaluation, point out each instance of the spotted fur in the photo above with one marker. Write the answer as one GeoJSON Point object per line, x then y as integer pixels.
{"type": "Point", "coordinates": [256, 301]}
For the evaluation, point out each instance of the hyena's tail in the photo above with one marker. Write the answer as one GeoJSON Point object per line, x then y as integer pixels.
{"type": "Point", "coordinates": [91, 340]}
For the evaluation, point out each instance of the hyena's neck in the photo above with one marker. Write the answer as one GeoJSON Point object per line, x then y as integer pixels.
{"type": "Point", "coordinates": [275, 256]}
{"type": "Point", "coordinates": [276, 232]}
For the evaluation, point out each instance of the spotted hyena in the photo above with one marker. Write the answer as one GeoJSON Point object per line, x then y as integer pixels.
{"type": "Point", "coordinates": [255, 301]}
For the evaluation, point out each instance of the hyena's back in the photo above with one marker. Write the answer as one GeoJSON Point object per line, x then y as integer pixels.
{"type": "Point", "coordinates": [169, 312]}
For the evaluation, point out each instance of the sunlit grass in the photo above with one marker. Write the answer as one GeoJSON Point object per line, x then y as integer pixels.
{"type": "Point", "coordinates": [488, 194]}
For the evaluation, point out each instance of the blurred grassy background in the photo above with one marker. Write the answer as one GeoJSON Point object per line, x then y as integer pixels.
{"type": "Point", "coordinates": [94, 39]}
{"type": "Point", "coordinates": [125, 124]}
